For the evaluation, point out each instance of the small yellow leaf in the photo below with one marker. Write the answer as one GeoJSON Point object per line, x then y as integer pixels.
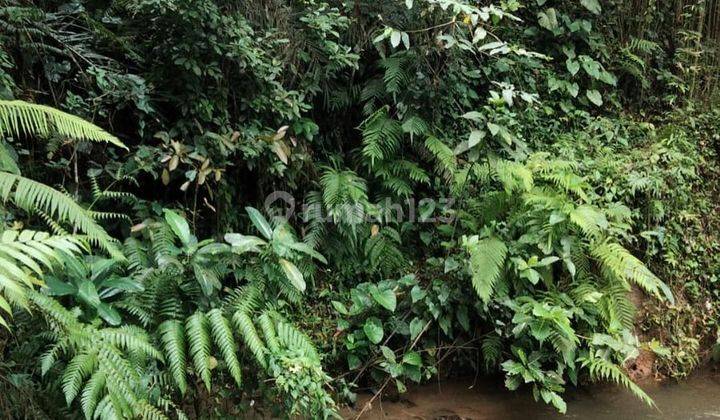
{"type": "Point", "coordinates": [212, 362]}
{"type": "Point", "coordinates": [174, 161]}
{"type": "Point", "coordinates": [279, 150]}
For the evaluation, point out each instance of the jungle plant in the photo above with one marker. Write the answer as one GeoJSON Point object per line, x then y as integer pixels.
{"type": "Point", "coordinates": [26, 250]}
{"type": "Point", "coordinates": [568, 151]}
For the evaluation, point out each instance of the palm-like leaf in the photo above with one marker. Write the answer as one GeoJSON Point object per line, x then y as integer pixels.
{"type": "Point", "coordinates": [19, 117]}
{"type": "Point", "coordinates": [24, 256]}
{"type": "Point", "coordinates": [32, 196]}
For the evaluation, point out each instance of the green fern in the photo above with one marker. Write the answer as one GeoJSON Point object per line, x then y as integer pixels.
{"type": "Point", "coordinates": [487, 257]}
{"type": "Point", "coordinates": [250, 336]}
{"type": "Point", "coordinates": [589, 219]}
{"type": "Point", "coordinates": [199, 344]}
{"type": "Point", "coordinates": [396, 74]}
{"type": "Point", "coordinates": [491, 348]}
{"type": "Point", "coordinates": [32, 196]}
{"type": "Point", "coordinates": [514, 176]}
{"type": "Point", "coordinates": [382, 136]}
{"type": "Point", "coordinates": [222, 334]}
{"type": "Point", "coordinates": [619, 263]}
{"type": "Point", "coordinates": [22, 257]}
{"type": "Point", "coordinates": [19, 117]}
{"type": "Point", "coordinates": [383, 252]}
{"type": "Point", "coordinates": [446, 162]}
{"type": "Point", "coordinates": [105, 360]}
{"type": "Point", "coordinates": [172, 336]}
{"type": "Point", "coordinates": [606, 370]}
{"type": "Point", "coordinates": [344, 193]}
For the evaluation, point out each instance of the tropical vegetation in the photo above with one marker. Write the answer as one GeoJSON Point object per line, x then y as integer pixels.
{"type": "Point", "coordinates": [213, 208]}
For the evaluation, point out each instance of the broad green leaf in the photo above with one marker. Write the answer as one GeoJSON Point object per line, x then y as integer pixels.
{"type": "Point", "coordinates": [388, 354]}
{"type": "Point", "coordinates": [207, 279]}
{"type": "Point", "coordinates": [244, 243]}
{"type": "Point", "coordinates": [547, 261]}
{"type": "Point", "coordinates": [179, 226]}
{"type": "Point", "coordinates": [306, 249]}
{"type": "Point", "coordinates": [373, 330]}
{"type": "Point", "coordinates": [293, 274]}
{"type": "Point", "coordinates": [591, 67]}
{"type": "Point", "coordinates": [8, 159]}
{"type": "Point", "coordinates": [416, 327]}
{"type": "Point", "coordinates": [123, 283]}
{"type": "Point", "coordinates": [475, 137]}
{"type": "Point", "coordinates": [386, 298]}
{"type": "Point", "coordinates": [573, 89]}
{"type": "Point", "coordinates": [260, 222]}
{"type": "Point", "coordinates": [494, 128]}
{"type": "Point", "coordinates": [101, 267]}
{"type": "Point", "coordinates": [109, 314]}
{"type": "Point", "coordinates": [479, 34]}
{"type": "Point", "coordinates": [339, 307]}
{"type": "Point", "coordinates": [395, 38]}
{"type": "Point", "coordinates": [412, 358]}
{"type": "Point", "coordinates": [592, 5]}
{"type": "Point", "coordinates": [406, 40]}
{"type": "Point", "coordinates": [88, 293]}
{"type": "Point", "coordinates": [59, 288]}
{"type": "Point", "coordinates": [353, 361]}
{"type": "Point", "coordinates": [594, 97]}
{"type": "Point", "coordinates": [572, 66]}
{"type": "Point", "coordinates": [548, 19]}
{"type": "Point", "coordinates": [417, 293]}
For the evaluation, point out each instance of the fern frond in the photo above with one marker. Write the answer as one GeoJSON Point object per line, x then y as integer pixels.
{"type": "Point", "coordinates": [19, 117]}
{"type": "Point", "coordinates": [132, 339]}
{"type": "Point", "coordinates": [396, 75]}
{"type": "Point", "coordinates": [589, 219]}
{"type": "Point", "coordinates": [268, 328]}
{"type": "Point", "coordinates": [617, 307]}
{"type": "Point", "coordinates": [491, 350]}
{"type": "Point", "coordinates": [383, 252]}
{"type": "Point", "coordinates": [91, 393]}
{"type": "Point", "coordinates": [32, 195]}
{"type": "Point", "coordinates": [222, 334]}
{"type": "Point", "coordinates": [620, 264]}
{"type": "Point", "coordinates": [514, 176]}
{"type": "Point", "coordinates": [291, 338]}
{"type": "Point", "coordinates": [605, 370]}
{"type": "Point", "coordinates": [172, 336]}
{"type": "Point", "coordinates": [382, 135]}
{"type": "Point", "coordinates": [196, 328]}
{"type": "Point", "coordinates": [21, 256]}
{"type": "Point", "coordinates": [487, 257]}
{"type": "Point", "coordinates": [446, 162]}
{"type": "Point", "coordinates": [79, 368]}
{"type": "Point", "coordinates": [247, 298]}
{"type": "Point", "coordinates": [251, 337]}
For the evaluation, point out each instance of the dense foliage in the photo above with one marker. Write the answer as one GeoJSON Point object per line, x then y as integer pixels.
{"type": "Point", "coordinates": [389, 191]}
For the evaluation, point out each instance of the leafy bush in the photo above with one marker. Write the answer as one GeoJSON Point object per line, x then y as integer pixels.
{"type": "Point", "coordinates": [466, 178]}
